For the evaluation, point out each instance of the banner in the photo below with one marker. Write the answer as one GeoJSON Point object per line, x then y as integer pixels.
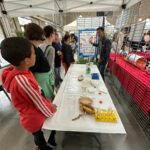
{"type": "Point", "coordinates": [89, 23]}
{"type": "Point", "coordinates": [85, 49]}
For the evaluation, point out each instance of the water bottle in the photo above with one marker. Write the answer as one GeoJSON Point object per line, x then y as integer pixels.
{"type": "Point", "coordinates": [88, 69]}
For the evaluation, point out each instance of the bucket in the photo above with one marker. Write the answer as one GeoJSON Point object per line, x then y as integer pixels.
{"type": "Point", "coordinates": [138, 61]}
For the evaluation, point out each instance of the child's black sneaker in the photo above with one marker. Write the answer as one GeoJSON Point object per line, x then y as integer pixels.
{"type": "Point", "coordinates": [47, 148]}
{"type": "Point", "coordinates": [52, 144]}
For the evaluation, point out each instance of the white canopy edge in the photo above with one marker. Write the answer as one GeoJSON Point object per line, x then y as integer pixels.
{"type": "Point", "coordinates": [16, 8]}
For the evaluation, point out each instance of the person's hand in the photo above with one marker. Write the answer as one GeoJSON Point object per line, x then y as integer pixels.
{"type": "Point", "coordinates": [91, 41]}
{"type": "Point", "coordinates": [59, 53]}
{"type": "Point", "coordinates": [54, 107]}
{"type": "Point", "coordinates": [61, 56]}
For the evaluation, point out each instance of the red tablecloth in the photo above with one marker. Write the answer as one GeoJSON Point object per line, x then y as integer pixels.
{"type": "Point", "coordinates": [135, 81]}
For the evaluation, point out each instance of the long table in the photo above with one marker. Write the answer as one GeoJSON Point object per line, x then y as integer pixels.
{"type": "Point", "coordinates": [67, 101]}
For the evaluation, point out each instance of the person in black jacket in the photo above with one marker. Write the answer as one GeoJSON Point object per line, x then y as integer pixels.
{"type": "Point", "coordinates": [103, 50]}
{"type": "Point", "coordinates": [57, 61]}
{"type": "Point", "coordinates": [67, 51]}
{"type": "Point", "coordinates": [34, 34]}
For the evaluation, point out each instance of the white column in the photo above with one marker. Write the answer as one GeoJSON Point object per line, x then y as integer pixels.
{"type": "Point", "coordinates": [6, 26]}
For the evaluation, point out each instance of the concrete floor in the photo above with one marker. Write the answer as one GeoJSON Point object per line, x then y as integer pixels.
{"type": "Point", "coordinates": [13, 137]}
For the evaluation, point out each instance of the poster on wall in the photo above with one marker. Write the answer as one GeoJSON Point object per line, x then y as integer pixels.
{"type": "Point", "coordinates": [85, 48]}
{"type": "Point", "coordinates": [89, 23]}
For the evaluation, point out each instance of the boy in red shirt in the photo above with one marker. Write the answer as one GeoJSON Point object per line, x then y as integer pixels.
{"type": "Point", "coordinates": [25, 92]}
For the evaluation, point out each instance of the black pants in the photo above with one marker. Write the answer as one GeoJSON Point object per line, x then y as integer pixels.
{"type": "Point", "coordinates": [40, 140]}
{"type": "Point", "coordinates": [57, 77]}
{"type": "Point", "coordinates": [101, 68]}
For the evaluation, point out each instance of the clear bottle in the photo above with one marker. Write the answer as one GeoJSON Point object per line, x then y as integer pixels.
{"type": "Point", "coordinates": [88, 68]}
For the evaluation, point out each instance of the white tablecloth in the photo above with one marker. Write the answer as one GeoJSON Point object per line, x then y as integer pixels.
{"type": "Point", "coordinates": [67, 101]}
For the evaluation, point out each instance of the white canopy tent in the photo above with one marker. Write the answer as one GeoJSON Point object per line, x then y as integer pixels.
{"type": "Point", "coordinates": [15, 8]}
{"type": "Point", "coordinates": [71, 27]}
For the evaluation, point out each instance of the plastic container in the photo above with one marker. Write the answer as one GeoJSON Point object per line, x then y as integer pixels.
{"type": "Point", "coordinates": [106, 116]}
{"type": "Point", "coordinates": [88, 69]}
{"type": "Point", "coordinates": [95, 76]}
{"type": "Point", "coordinates": [138, 61]}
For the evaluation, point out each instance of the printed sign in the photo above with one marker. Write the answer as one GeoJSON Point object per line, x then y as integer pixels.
{"type": "Point", "coordinates": [85, 48]}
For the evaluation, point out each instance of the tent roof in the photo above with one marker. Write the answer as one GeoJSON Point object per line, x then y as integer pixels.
{"type": "Point", "coordinates": [17, 8]}
{"type": "Point", "coordinates": [71, 26]}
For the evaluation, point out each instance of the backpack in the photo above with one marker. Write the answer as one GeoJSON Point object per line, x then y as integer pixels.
{"type": "Point", "coordinates": [45, 51]}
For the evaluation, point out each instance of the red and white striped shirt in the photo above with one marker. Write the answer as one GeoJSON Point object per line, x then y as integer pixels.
{"type": "Point", "coordinates": [27, 99]}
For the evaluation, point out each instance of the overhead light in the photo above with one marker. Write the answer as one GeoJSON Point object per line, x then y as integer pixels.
{"type": "Point", "coordinates": [60, 10]}
{"type": "Point", "coordinates": [4, 12]}
{"type": "Point", "coordinates": [80, 16]}
{"type": "Point", "coordinates": [140, 19]}
{"type": "Point", "coordinates": [123, 6]}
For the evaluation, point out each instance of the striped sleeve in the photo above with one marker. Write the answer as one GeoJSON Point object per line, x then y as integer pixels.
{"type": "Point", "coordinates": [33, 95]}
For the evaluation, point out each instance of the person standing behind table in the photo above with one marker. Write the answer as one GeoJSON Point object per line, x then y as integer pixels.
{"type": "Point", "coordinates": [58, 54]}
{"type": "Point", "coordinates": [41, 69]}
{"type": "Point", "coordinates": [67, 51]}
{"type": "Point", "coordinates": [114, 44]}
{"type": "Point", "coordinates": [103, 50]}
{"type": "Point", "coordinates": [25, 93]}
{"type": "Point", "coordinates": [147, 42]}
{"type": "Point", "coordinates": [120, 38]}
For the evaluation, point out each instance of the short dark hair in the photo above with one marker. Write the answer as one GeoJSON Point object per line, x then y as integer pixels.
{"type": "Point", "coordinates": [15, 49]}
{"type": "Point", "coordinates": [100, 28]}
{"type": "Point", "coordinates": [33, 32]}
{"type": "Point", "coordinates": [48, 31]}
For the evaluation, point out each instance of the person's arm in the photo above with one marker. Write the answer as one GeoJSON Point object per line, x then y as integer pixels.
{"type": "Point", "coordinates": [95, 44]}
{"type": "Point", "coordinates": [51, 56]}
{"type": "Point", "coordinates": [33, 93]}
